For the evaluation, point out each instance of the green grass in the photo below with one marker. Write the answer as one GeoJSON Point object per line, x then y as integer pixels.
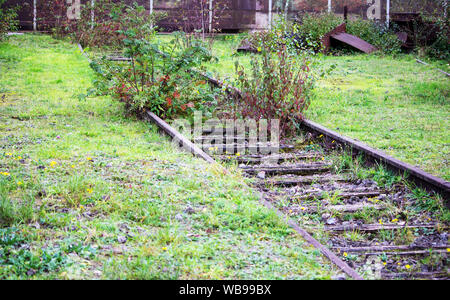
{"type": "Point", "coordinates": [87, 192]}
{"type": "Point", "coordinates": [390, 103]}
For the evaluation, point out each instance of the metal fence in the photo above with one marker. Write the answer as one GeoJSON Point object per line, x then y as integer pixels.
{"type": "Point", "coordinates": [241, 14]}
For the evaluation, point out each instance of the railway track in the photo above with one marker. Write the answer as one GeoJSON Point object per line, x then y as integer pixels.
{"type": "Point", "coordinates": [366, 225]}
{"type": "Point", "coordinates": [367, 230]}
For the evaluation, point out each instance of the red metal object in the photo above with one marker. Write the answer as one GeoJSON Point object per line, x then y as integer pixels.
{"type": "Point", "coordinates": [326, 40]}
{"type": "Point", "coordinates": [339, 34]}
{"type": "Point", "coordinates": [355, 42]}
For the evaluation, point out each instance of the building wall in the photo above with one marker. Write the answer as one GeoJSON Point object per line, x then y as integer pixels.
{"type": "Point", "coordinates": [236, 14]}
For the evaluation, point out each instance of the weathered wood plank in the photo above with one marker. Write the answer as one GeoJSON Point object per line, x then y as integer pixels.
{"type": "Point", "coordinates": [355, 42]}
{"type": "Point", "coordinates": [429, 275]}
{"type": "Point", "coordinates": [304, 180]}
{"type": "Point", "coordinates": [283, 170]}
{"type": "Point", "coordinates": [346, 207]}
{"type": "Point", "coordinates": [284, 157]}
{"type": "Point", "coordinates": [376, 227]}
{"type": "Point", "coordinates": [343, 195]}
{"type": "Point", "coordinates": [382, 249]}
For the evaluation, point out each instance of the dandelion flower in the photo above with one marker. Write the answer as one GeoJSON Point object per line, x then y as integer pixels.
{"type": "Point", "coordinates": [407, 266]}
{"type": "Point", "coordinates": [19, 183]}
{"type": "Point", "coordinates": [89, 191]}
{"type": "Point", "coordinates": [164, 248]}
{"type": "Point", "coordinates": [53, 163]}
{"type": "Point", "coordinates": [303, 208]}
{"type": "Point", "coordinates": [8, 154]}
{"type": "Point", "coordinates": [238, 154]}
{"type": "Point", "coordinates": [395, 220]}
{"type": "Point", "coordinates": [345, 254]}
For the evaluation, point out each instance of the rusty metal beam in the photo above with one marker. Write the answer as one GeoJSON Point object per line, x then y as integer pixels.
{"type": "Point", "coordinates": [324, 250]}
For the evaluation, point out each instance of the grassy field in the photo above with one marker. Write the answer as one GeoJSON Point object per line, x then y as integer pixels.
{"type": "Point", "coordinates": [390, 103]}
{"type": "Point", "coordinates": [393, 104]}
{"type": "Point", "coordinates": [87, 192]}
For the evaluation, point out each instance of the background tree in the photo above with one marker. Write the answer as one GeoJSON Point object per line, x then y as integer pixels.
{"type": "Point", "coordinates": [8, 19]}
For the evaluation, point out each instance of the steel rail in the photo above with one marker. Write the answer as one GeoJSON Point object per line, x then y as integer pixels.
{"type": "Point", "coordinates": [417, 175]}
{"type": "Point", "coordinates": [426, 64]}
{"type": "Point", "coordinates": [435, 182]}
{"type": "Point", "coordinates": [178, 137]}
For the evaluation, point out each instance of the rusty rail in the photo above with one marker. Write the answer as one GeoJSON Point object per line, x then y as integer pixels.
{"type": "Point", "coordinates": [375, 154]}
{"type": "Point", "coordinates": [420, 177]}
{"type": "Point", "coordinates": [178, 137]}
